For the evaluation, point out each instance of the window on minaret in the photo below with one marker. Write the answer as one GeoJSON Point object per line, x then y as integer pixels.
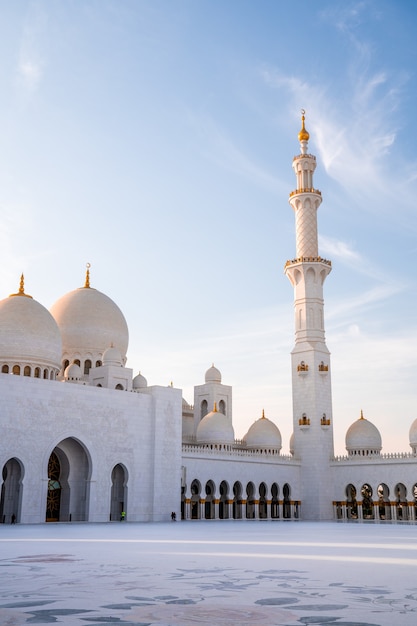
{"type": "Point", "coordinates": [87, 366]}
{"type": "Point", "coordinates": [203, 409]}
{"type": "Point", "coordinates": [222, 407]}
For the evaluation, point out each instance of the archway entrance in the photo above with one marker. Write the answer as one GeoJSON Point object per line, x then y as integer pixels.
{"type": "Point", "coordinates": [118, 493]}
{"type": "Point", "coordinates": [11, 492]}
{"type": "Point", "coordinates": [68, 483]}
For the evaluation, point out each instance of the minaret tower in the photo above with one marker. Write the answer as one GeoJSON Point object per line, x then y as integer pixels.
{"type": "Point", "coordinates": [311, 385]}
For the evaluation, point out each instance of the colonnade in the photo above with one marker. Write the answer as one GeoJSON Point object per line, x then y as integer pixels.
{"type": "Point", "coordinates": [385, 511]}
{"type": "Point", "coordinates": [201, 508]}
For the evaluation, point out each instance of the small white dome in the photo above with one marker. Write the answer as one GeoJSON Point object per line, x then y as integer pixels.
{"type": "Point", "coordinates": [263, 434]}
{"type": "Point", "coordinates": [112, 356]}
{"type": "Point", "coordinates": [215, 427]}
{"type": "Point", "coordinates": [73, 372]}
{"type": "Point", "coordinates": [213, 375]}
{"type": "Point", "coordinates": [139, 382]}
{"type": "Point", "coordinates": [412, 437]}
{"type": "Point", "coordinates": [362, 437]}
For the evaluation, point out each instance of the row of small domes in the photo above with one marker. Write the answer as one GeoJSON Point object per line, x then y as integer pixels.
{"type": "Point", "coordinates": [216, 428]}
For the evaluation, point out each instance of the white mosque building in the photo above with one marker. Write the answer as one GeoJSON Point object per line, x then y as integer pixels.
{"type": "Point", "coordinates": [83, 440]}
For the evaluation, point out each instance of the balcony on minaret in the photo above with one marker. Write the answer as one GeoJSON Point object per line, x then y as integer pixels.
{"type": "Point", "coordinates": [302, 369]}
{"type": "Point", "coordinates": [325, 421]}
{"type": "Point", "coordinates": [323, 369]}
{"type": "Point", "coordinates": [304, 421]}
{"type": "Point", "coordinates": [307, 259]}
{"type": "Point", "coordinates": [305, 190]}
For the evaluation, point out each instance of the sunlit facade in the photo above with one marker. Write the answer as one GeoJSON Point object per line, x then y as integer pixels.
{"type": "Point", "coordinates": [82, 439]}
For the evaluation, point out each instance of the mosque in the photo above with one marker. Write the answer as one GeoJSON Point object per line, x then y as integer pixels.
{"type": "Point", "coordinates": [84, 440]}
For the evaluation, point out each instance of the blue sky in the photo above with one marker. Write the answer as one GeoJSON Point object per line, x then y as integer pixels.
{"type": "Point", "coordinates": [154, 140]}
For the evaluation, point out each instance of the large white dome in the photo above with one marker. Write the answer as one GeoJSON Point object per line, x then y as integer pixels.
{"type": "Point", "coordinates": [363, 438]}
{"type": "Point", "coordinates": [263, 434]}
{"type": "Point", "coordinates": [215, 427]}
{"type": "Point", "coordinates": [90, 322]}
{"type": "Point", "coordinates": [29, 337]}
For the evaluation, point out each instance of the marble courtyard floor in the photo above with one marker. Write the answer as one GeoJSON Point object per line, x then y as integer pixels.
{"type": "Point", "coordinates": [210, 572]}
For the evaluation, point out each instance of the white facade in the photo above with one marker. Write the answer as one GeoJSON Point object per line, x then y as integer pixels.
{"type": "Point", "coordinates": [82, 440]}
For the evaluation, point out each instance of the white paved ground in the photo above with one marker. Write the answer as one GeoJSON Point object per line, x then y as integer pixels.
{"type": "Point", "coordinates": [234, 572]}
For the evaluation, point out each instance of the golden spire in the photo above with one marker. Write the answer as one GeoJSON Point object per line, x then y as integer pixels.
{"type": "Point", "coordinates": [303, 134]}
{"type": "Point", "coordinates": [263, 414]}
{"type": "Point", "coordinates": [362, 417]}
{"type": "Point", "coordinates": [21, 291]}
{"type": "Point", "coordinates": [215, 408]}
{"type": "Point", "coordinates": [87, 276]}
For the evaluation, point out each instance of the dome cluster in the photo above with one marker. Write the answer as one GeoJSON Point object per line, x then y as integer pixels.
{"type": "Point", "coordinates": [84, 329]}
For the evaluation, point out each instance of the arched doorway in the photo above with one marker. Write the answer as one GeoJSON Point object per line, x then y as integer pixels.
{"type": "Point", "coordinates": [351, 502]}
{"type": "Point", "coordinates": [250, 501]}
{"type": "Point", "coordinates": [367, 502]}
{"type": "Point", "coordinates": [195, 499]}
{"type": "Point", "coordinates": [401, 504]}
{"type": "Point", "coordinates": [224, 500]}
{"type": "Point", "coordinates": [209, 504]}
{"type": "Point", "coordinates": [286, 504]}
{"type": "Point", "coordinates": [275, 501]}
{"type": "Point", "coordinates": [69, 470]}
{"type": "Point", "coordinates": [384, 506]}
{"type": "Point", "coordinates": [263, 506]}
{"type": "Point", "coordinates": [237, 501]}
{"type": "Point", "coordinates": [11, 492]}
{"type": "Point", "coordinates": [118, 498]}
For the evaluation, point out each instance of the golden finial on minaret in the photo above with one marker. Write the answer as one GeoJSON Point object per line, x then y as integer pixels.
{"type": "Point", "coordinates": [87, 276]}
{"type": "Point", "coordinates": [303, 134]}
{"type": "Point", "coordinates": [21, 291]}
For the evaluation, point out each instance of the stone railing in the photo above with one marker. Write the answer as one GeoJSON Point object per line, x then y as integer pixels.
{"type": "Point", "coordinates": [305, 190]}
{"type": "Point", "coordinates": [308, 259]}
{"type": "Point", "coordinates": [388, 456]}
{"type": "Point", "coordinates": [216, 449]}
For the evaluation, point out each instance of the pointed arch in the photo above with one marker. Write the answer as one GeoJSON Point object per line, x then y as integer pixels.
{"type": "Point", "coordinates": [250, 500]}
{"type": "Point", "coordinates": [210, 498]}
{"type": "Point", "coordinates": [118, 496]}
{"type": "Point", "coordinates": [286, 503]}
{"type": "Point", "coordinates": [11, 491]}
{"type": "Point", "coordinates": [69, 475]}
{"type": "Point", "coordinates": [237, 500]}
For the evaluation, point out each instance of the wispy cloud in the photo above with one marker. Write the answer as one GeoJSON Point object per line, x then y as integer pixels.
{"type": "Point", "coordinates": [340, 249]}
{"type": "Point", "coordinates": [356, 128]}
{"type": "Point", "coordinates": [31, 63]}
{"type": "Point", "coordinates": [219, 147]}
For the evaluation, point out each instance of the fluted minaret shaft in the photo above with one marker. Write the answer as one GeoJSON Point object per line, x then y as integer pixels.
{"type": "Point", "coordinates": [308, 270]}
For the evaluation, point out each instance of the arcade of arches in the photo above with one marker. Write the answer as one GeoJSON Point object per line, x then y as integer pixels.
{"type": "Point", "coordinates": [68, 482]}
{"type": "Point", "coordinates": [238, 501]}
{"type": "Point", "coordinates": [365, 502]}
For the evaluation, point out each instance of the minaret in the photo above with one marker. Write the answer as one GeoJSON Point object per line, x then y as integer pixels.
{"type": "Point", "coordinates": [311, 385]}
